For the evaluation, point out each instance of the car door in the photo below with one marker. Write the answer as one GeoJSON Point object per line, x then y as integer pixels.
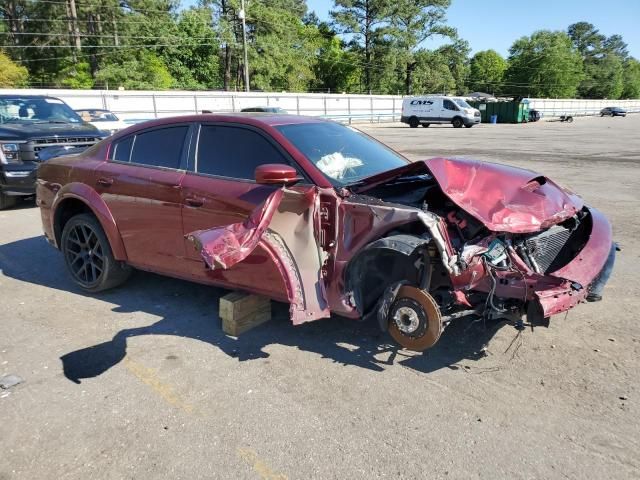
{"type": "Point", "coordinates": [219, 189]}
{"type": "Point", "coordinates": [449, 110]}
{"type": "Point", "coordinates": [140, 184]}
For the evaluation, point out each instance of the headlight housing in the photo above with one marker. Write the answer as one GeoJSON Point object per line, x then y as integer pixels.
{"type": "Point", "coordinates": [9, 152]}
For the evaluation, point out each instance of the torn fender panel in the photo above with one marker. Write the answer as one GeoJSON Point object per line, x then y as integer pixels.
{"type": "Point", "coordinates": [223, 247]}
{"type": "Point", "coordinates": [285, 225]}
{"type": "Point", "coordinates": [505, 199]}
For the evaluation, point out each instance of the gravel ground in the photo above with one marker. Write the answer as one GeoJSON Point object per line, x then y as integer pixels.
{"type": "Point", "coordinates": [153, 389]}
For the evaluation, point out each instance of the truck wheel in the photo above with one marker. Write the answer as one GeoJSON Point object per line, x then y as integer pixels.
{"type": "Point", "coordinates": [426, 125]}
{"type": "Point", "coordinates": [413, 122]}
{"type": "Point", "coordinates": [457, 122]}
{"type": "Point", "coordinates": [414, 319]}
{"type": "Point", "coordinates": [88, 255]}
{"type": "Point", "coordinates": [6, 201]}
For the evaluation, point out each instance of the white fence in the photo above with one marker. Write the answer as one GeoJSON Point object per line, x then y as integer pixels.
{"type": "Point", "coordinates": [554, 108]}
{"type": "Point", "coordinates": [137, 105]}
{"type": "Point", "coordinates": [143, 105]}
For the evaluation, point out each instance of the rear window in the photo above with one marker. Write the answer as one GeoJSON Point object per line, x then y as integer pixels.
{"type": "Point", "coordinates": [159, 148]}
{"type": "Point", "coordinates": [122, 150]}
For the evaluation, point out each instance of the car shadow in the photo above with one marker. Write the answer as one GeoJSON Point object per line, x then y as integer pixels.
{"type": "Point", "coordinates": [190, 310]}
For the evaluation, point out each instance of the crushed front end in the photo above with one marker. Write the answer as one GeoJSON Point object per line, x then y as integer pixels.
{"type": "Point", "coordinates": [501, 243]}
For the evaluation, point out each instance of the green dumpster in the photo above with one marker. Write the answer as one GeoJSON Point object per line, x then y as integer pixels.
{"type": "Point", "coordinates": [507, 112]}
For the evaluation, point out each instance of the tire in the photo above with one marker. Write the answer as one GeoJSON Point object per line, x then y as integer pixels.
{"type": "Point", "coordinates": [6, 201]}
{"type": "Point", "coordinates": [426, 125]}
{"type": "Point", "coordinates": [469, 125]}
{"type": "Point", "coordinates": [413, 122]}
{"type": "Point", "coordinates": [457, 122]}
{"type": "Point", "coordinates": [88, 255]}
{"type": "Point", "coordinates": [570, 119]}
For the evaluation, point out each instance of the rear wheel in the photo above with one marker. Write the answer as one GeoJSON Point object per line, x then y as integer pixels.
{"type": "Point", "coordinates": [457, 122]}
{"type": "Point", "coordinates": [413, 122]}
{"type": "Point", "coordinates": [88, 255]}
{"type": "Point", "coordinates": [425, 125]}
{"type": "Point", "coordinates": [6, 201]}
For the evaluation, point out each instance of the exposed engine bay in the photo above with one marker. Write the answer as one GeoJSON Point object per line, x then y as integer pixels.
{"type": "Point", "coordinates": [495, 275]}
{"type": "Point", "coordinates": [422, 245]}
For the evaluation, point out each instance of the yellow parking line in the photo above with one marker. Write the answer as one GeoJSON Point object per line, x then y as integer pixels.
{"type": "Point", "coordinates": [149, 377]}
{"type": "Point", "coordinates": [259, 466]}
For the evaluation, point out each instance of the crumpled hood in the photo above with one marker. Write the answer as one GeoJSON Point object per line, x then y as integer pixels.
{"type": "Point", "coordinates": [503, 198]}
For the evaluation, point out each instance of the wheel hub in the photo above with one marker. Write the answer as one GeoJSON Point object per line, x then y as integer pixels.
{"type": "Point", "coordinates": [414, 319]}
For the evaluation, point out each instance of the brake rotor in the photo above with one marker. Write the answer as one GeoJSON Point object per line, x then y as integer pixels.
{"type": "Point", "coordinates": [414, 319]}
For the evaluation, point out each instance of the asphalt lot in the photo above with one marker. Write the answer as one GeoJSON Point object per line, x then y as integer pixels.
{"type": "Point", "coordinates": [140, 382]}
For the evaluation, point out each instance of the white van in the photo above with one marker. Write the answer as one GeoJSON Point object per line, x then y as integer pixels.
{"type": "Point", "coordinates": [438, 109]}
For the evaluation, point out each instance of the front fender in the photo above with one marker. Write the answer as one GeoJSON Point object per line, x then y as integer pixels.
{"type": "Point", "coordinates": [96, 204]}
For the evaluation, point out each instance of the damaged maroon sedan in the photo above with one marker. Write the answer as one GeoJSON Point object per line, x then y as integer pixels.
{"type": "Point", "coordinates": [323, 217]}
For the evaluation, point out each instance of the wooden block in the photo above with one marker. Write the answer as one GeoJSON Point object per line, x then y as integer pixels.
{"type": "Point", "coordinates": [243, 311]}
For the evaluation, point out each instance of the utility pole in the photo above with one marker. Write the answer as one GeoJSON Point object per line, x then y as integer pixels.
{"type": "Point", "coordinates": [244, 46]}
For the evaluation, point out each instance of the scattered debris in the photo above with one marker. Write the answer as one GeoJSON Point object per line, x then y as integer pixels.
{"type": "Point", "coordinates": [596, 349]}
{"type": "Point", "coordinates": [623, 397]}
{"type": "Point", "coordinates": [612, 339]}
{"type": "Point", "coordinates": [9, 381]}
{"type": "Point", "coordinates": [553, 346]}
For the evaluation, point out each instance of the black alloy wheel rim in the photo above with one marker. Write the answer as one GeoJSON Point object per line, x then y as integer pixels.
{"type": "Point", "coordinates": [84, 253]}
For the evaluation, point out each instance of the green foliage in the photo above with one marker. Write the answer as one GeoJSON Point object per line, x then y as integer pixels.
{"type": "Point", "coordinates": [11, 74]}
{"type": "Point", "coordinates": [336, 69]}
{"type": "Point", "coordinates": [76, 76]}
{"type": "Point", "coordinates": [487, 69]}
{"type": "Point", "coordinates": [373, 46]}
{"type": "Point", "coordinates": [603, 77]}
{"type": "Point", "coordinates": [414, 21]}
{"type": "Point", "coordinates": [631, 79]}
{"type": "Point", "coordinates": [142, 71]}
{"type": "Point", "coordinates": [546, 64]}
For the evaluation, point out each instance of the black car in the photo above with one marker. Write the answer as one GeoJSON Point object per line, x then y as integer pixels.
{"type": "Point", "coordinates": [613, 112]}
{"type": "Point", "coordinates": [264, 109]}
{"type": "Point", "coordinates": [30, 124]}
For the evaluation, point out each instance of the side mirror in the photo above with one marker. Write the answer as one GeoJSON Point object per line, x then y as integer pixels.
{"type": "Point", "coordinates": [276, 173]}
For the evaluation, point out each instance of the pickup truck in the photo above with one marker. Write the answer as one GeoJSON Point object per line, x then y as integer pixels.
{"type": "Point", "coordinates": [30, 124]}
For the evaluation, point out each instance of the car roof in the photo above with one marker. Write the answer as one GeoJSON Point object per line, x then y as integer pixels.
{"type": "Point", "coordinates": [18, 95]}
{"type": "Point", "coordinates": [249, 118]}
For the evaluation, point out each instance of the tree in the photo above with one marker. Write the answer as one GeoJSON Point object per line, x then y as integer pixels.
{"type": "Point", "coordinates": [413, 22]}
{"type": "Point", "coordinates": [456, 58]}
{"type": "Point", "coordinates": [336, 69]}
{"type": "Point", "coordinates": [487, 69]}
{"type": "Point", "coordinates": [603, 77]}
{"type": "Point", "coordinates": [546, 64]}
{"type": "Point", "coordinates": [631, 79]}
{"type": "Point", "coordinates": [362, 18]}
{"type": "Point", "coordinates": [11, 74]}
{"type": "Point", "coordinates": [431, 74]}
{"type": "Point", "coordinates": [586, 38]}
{"type": "Point", "coordinates": [142, 71]}
{"type": "Point", "coordinates": [194, 61]}
{"type": "Point", "coordinates": [76, 75]}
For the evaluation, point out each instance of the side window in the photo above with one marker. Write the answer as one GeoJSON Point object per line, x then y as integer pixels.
{"type": "Point", "coordinates": [122, 150]}
{"type": "Point", "coordinates": [159, 148]}
{"type": "Point", "coordinates": [233, 152]}
{"type": "Point", "coordinates": [448, 104]}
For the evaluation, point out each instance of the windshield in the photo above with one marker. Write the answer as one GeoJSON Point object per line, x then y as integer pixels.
{"type": "Point", "coordinates": [36, 110]}
{"type": "Point", "coordinates": [97, 115]}
{"type": "Point", "coordinates": [343, 154]}
{"type": "Point", "coordinates": [462, 103]}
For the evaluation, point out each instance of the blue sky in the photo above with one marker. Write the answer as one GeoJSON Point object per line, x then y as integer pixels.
{"type": "Point", "coordinates": [497, 23]}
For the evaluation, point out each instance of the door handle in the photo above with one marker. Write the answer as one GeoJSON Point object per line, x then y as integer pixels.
{"type": "Point", "coordinates": [105, 182]}
{"type": "Point", "coordinates": [194, 201]}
